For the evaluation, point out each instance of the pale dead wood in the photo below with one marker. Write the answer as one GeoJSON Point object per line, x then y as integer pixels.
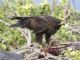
{"type": "Point", "coordinates": [6, 23]}
{"type": "Point", "coordinates": [26, 33]}
{"type": "Point", "coordinates": [73, 29]}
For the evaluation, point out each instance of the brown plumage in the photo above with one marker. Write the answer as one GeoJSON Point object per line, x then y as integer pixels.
{"type": "Point", "coordinates": [40, 25]}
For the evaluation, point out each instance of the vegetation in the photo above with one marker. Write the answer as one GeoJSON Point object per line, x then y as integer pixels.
{"type": "Point", "coordinates": [13, 38]}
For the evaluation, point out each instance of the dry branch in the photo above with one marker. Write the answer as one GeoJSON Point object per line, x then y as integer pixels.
{"type": "Point", "coordinates": [6, 23]}
{"type": "Point", "coordinates": [73, 29]}
{"type": "Point", "coordinates": [26, 33]}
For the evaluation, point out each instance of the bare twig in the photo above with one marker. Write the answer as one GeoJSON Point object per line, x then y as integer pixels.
{"type": "Point", "coordinates": [66, 10]}
{"type": "Point", "coordinates": [26, 33]}
{"type": "Point", "coordinates": [74, 30]}
{"type": "Point", "coordinates": [12, 49]}
{"type": "Point", "coordinates": [65, 17]}
{"type": "Point", "coordinates": [6, 23]}
{"type": "Point", "coordinates": [29, 37]}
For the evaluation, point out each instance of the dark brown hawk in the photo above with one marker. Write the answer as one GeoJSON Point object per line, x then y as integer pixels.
{"type": "Point", "coordinates": [40, 25]}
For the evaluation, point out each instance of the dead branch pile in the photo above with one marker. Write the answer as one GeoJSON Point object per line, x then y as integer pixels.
{"type": "Point", "coordinates": [33, 52]}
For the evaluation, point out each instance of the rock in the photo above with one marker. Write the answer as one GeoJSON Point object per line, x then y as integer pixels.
{"type": "Point", "coordinates": [10, 56]}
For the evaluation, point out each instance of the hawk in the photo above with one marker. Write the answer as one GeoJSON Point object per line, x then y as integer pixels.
{"type": "Point", "coordinates": [40, 25]}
